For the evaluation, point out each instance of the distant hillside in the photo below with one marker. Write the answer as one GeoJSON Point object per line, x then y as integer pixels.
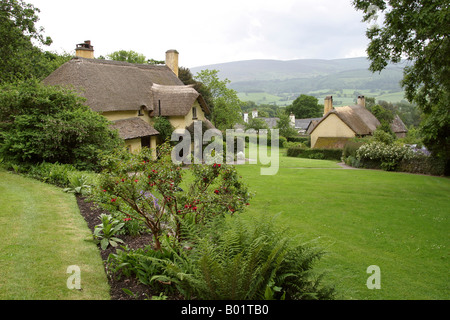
{"type": "Point", "coordinates": [280, 82]}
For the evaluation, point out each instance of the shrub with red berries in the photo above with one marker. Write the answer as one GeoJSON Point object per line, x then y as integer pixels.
{"type": "Point", "coordinates": [156, 193]}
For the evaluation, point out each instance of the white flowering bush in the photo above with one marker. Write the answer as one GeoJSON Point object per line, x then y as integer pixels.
{"type": "Point", "coordinates": [387, 156]}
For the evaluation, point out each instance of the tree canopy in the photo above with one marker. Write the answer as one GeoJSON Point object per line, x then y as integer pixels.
{"type": "Point", "coordinates": [226, 104]}
{"type": "Point", "coordinates": [20, 38]}
{"type": "Point", "coordinates": [417, 31]}
{"type": "Point", "coordinates": [131, 57]}
{"type": "Point", "coordinates": [305, 107]}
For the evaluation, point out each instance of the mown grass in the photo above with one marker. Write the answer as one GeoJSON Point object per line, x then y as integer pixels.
{"type": "Point", "coordinates": [41, 234]}
{"type": "Point", "coordinates": [397, 221]}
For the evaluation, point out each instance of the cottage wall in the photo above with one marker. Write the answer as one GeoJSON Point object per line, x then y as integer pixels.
{"type": "Point", "coordinates": [181, 122]}
{"type": "Point", "coordinates": [331, 126]}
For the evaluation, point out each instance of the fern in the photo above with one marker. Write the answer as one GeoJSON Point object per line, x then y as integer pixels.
{"type": "Point", "coordinates": [233, 259]}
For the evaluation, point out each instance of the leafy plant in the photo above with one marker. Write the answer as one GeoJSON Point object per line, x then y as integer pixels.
{"type": "Point", "coordinates": [150, 191]}
{"type": "Point", "coordinates": [78, 184]}
{"type": "Point", "coordinates": [233, 259]}
{"type": "Point", "coordinates": [386, 156]}
{"type": "Point", "coordinates": [104, 233]}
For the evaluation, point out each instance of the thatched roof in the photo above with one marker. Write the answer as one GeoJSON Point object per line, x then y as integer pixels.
{"type": "Point", "coordinates": [357, 117]}
{"type": "Point", "coordinates": [206, 125]}
{"type": "Point", "coordinates": [175, 100]}
{"type": "Point", "coordinates": [398, 126]}
{"type": "Point", "coordinates": [133, 128]}
{"type": "Point", "coordinates": [116, 86]}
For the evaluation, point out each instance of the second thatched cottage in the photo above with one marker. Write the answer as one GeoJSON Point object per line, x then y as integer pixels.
{"type": "Point", "coordinates": [132, 95]}
{"type": "Point", "coordinates": [340, 124]}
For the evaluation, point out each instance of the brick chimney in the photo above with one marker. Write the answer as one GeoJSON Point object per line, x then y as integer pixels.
{"type": "Point", "coordinates": [172, 60]}
{"type": "Point", "coordinates": [328, 105]}
{"type": "Point", "coordinates": [85, 50]}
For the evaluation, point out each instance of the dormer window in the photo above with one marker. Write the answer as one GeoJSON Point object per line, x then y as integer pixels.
{"type": "Point", "coordinates": [194, 113]}
{"type": "Point", "coordinates": [141, 111]}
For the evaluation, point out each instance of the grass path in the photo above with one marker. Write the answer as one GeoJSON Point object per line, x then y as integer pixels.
{"type": "Point", "coordinates": [399, 222]}
{"type": "Point", "coordinates": [41, 234]}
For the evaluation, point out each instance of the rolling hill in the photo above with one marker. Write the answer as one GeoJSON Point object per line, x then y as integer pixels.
{"type": "Point", "coordinates": [280, 82]}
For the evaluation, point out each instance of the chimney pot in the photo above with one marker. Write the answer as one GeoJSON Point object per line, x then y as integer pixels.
{"type": "Point", "coordinates": [361, 101]}
{"type": "Point", "coordinates": [85, 50]}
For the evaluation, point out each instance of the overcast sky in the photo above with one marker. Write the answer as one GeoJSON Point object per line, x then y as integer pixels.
{"type": "Point", "coordinates": [207, 31]}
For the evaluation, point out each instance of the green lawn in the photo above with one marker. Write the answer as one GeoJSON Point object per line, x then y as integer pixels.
{"type": "Point", "coordinates": [397, 221]}
{"type": "Point", "coordinates": [41, 234]}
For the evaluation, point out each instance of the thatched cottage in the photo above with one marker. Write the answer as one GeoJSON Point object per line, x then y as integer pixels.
{"type": "Point", "coordinates": [340, 124]}
{"type": "Point", "coordinates": [132, 95]}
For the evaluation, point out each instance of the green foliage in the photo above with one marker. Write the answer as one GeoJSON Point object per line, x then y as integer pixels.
{"type": "Point", "coordinates": [256, 123]}
{"type": "Point", "coordinates": [43, 123]}
{"type": "Point", "coordinates": [381, 155]}
{"type": "Point", "coordinates": [104, 233]}
{"type": "Point", "coordinates": [305, 107]}
{"type": "Point", "coordinates": [327, 154]}
{"type": "Point", "coordinates": [78, 184]}
{"type": "Point", "coordinates": [381, 135]}
{"type": "Point", "coordinates": [285, 127]}
{"type": "Point", "coordinates": [226, 104]}
{"type": "Point", "coordinates": [417, 30]}
{"type": "Point", "coordinates": [164, 127]}
{"type": "Point", "coordinates": [54, 173]}
{"type": "Point", "coordinates": [18, 30]}
{"type": "Point", "coordinates": [150, 191]}
{"type": "Point", "coordinates": [131, 56]}
{"type": "Point", "coordinates": [233, 259]}
{"type": "Point", "coordinates": [422, 164]}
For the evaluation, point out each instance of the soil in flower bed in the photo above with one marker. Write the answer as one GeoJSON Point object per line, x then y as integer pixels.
{"type": "Point", "coordinates": [91, 213]}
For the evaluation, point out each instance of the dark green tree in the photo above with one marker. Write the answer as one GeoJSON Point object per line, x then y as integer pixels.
{"type": "Point", "coordinates": [185, 75]}
{"type": "Point", "coordinates": [418, 31]}
{"type": "Point", "coordinates": [164, 127]}
{"type": "Point", "coordinates": [19, 58]}
{"type": "Point", "coordinates": [305, 107]}
{"type": "Point", "coordinates": [40, 123]}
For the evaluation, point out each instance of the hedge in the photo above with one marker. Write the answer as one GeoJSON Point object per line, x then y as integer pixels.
{"type": "Point", "coordinates": [326, 154]}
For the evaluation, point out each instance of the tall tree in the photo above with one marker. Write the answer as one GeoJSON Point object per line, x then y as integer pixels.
{"type": "Point", "coordinates": [185, 75]}
{"type": "Point", "coordinates": [305, 107]}
{"type": "Point", "coordinates": [18, 30]}
{"type": "Point", "coordinates": [417, 30]}
{"type": "Point", "coordinates": [227, 110]}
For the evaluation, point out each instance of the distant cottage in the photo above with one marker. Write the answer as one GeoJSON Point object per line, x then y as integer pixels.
{"type": "Point", "coordinates": [342, 123]}
{"type": "Point", "coordinates": [132, 95]}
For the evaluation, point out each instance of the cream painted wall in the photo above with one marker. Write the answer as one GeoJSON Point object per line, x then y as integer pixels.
{"type": "Point", "coordinates": [181, 122]}
{"type": "Point", "coordinates": [133, 145]}
{"type": "Point", "coordinates": [332, 126]}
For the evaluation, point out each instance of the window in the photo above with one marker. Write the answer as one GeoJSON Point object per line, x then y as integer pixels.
{"type": "Point", "coordinates": [194, 113]}
{"type": "Point", "coordinates": [141, 111]}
